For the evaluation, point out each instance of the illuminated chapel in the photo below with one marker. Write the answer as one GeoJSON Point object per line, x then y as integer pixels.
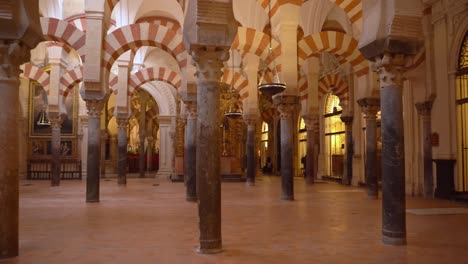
{"type": "Point", "coordinates": [233, 131]}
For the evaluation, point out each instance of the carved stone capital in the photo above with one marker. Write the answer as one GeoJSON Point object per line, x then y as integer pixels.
{"type": "Point", "coordinates": [390, 68]}
{"type": "Point", "coordinates": [12, 55]}
{"type": "Point", "coordinates": [369, 106]}
{"type": "Point", "coordinates": [191, 109]}
{"type": "Point", "coordinates": [94, 108]}
{"type": "Point", "coordinates": [424, 108]}
{"type": "Point", "coordinates": [348, 120]}
{"type": "Point", "coordinates": [122, 122]}
{"type": "Point", "coordinates": [209, 62]}
{"type": "Point", "coordinates": [56, 120]}
{"type": "Point", "coordinates": [311, 121]}
{"type": "Point", "coordinates": [287, 105]}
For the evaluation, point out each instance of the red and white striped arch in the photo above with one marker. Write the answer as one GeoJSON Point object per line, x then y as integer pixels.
{"type": "Point", "coordinates": [35, 73]}
{"type": "Point", "coordinates": [249, 40]}
{"type": "Point", "coordinates": [70, 79]}
{"type": "Point", "coordinates": [237, 80]}
{"type": "Point", "coordinates": [162, 21]}
{"type": "Point", "coordinates": [153, 74]}
{"type": "Point", "coordinates": [335, 84]}
{"type": "Point", "coordinates": [340, 44]}
{"type": "Point", "coordinates": [352, 8]}
{"type": "Point", "coordinates": [143, 34]}
{"type": "Point", "coordinates": [276, 4]}
{"type": "Point", "coordinates": [62, 31]}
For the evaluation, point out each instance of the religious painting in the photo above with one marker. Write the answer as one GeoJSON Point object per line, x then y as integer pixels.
{"type": "Point", "coordinates": [39, 123]}
{"type": "Point", "coordinates": [66, 148]}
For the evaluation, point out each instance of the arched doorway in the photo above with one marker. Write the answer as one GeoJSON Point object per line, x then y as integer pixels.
{"type": "Point", "coordinates": [302, 145]}
{"type": "Point", "coordinates": [264, 153]}
{"type": "Point", "coordinates": [462, 116]}
{"type": "Point", "coordinates": [334, 130]}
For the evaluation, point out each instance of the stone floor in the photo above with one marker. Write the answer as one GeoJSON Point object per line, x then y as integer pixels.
{"type": "Point", "coordinates": [149, 221]}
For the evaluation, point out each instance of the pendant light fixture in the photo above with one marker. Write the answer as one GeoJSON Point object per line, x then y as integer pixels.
{"type": "Point", "coordinates": [234, 111]}
{"type": "Point", "coordinates": [274, 87]}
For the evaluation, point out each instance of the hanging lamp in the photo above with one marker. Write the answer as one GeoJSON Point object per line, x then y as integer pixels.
{"type": "Point", "coordinates": [43, 120]}
{"type": "Point", "coordinates": [274, 87]}
{"type": "Point", "coordinates": [234, 110]}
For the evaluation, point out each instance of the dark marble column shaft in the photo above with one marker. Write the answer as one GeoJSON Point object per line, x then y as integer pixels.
{"type": "Point", "coordinates": [287, 106]}
{"type": "Point", "coordinates": [250, 146]}
{"type": "Point", "coordinates": [56, 124]}
{"type": "Point", "coordinates": [209, 64]}
{"type": "Point", "coordinates": [309, 163]}
{"type": "Point", "coordinates": [424, 110]}
{"type": "Point", "coordinates": [348, 171]}
{"type": "Point", "coordinates": [149, 154]}
{"type": "Point", "coordinates": [94, 150]}
{"type": "Point", "coordinates": [390, 71]}
{"type": "Point", "coordinates": [11, 56]}
{"type": "Point", "coordinates": [122, 151]}
{"type": "Point", "coordinates": [142, 133]}
{"type": "Point", "coordinates": [190, 152]}
{"type": "Point", "coordinates": [370, 106]}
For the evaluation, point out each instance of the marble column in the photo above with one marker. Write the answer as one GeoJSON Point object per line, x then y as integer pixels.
{"type": "Point", "coordinates": [250, 153]}
{"type": "Point", "coordinates": [149, 154]}
{"type": "Point", "coordinates": [56, 125]}
{"type": "Point", "coordinates": [348, 161]}
{"type": "Point", "coordinates": [370, 106]}
{"type": "Point", "coordinates": [142, 134]}
{"type": "Point", "coordinates": [113, 145]}
{"type": "Point", "coordinates": [103, 153]}
{"type": "Point", "coordinates": [190, 151]}
{"type": "Point", "coordinates": [12, 54]}
{"type": "Point", "coordinates": [390, 69]}
{"type": "Point", "coordinates": [310, 164]}
{"type": "Point", "coordinates": [287, 106]}
{"type": "Point", "coordinates": [94, 108]}
{"type": "Point", "coordinates": [424, 110]}
{"type": "Point", "coordinates": [209, 63]}
{"type": "Point", "coordinates": [122, 124]}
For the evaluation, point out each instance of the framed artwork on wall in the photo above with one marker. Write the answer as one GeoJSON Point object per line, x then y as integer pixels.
{"type": "Point", "coordinates": [39, 125]}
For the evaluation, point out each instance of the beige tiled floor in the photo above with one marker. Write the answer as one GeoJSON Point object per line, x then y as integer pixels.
{"type": "Point", "coordinates": [143, 223]}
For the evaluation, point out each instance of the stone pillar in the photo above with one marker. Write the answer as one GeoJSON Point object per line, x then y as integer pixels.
{"type": "Point", "coordinates": [103, 153]}
{"type": "Point", "coordinates": [94, 150]}
{"type": "Point", "coordinates": [142, 133]}
{"type": "Point", "coordinates": [348, 161]}
{"type": "Point", "coordinates": [370, 106]}
{"type": "Point", "coordinates": [190, 151]}
{"type": "Point", "coordinates": [310, 157]}
{"type": "Point", "coordinates": [390, 69]}
{"type": "Point", "coordinates": [149, 154]}
{"type": "Point", "coordinates": [114, 152]}
{"type": "Point", "coordinates": [12, 54]}
{"type": "Point", "coordinates": [250, 147]}
{"type": "Point", "coordinates": [122, 124]}
{"type": "Point", "coordinates": [287, 105]}
{"type": "Point", "coordinates": [424, 110]}
{"type": "Point", "coordinates": [166, 148]}
{"type": "Point", "coordinates": [84, 145]}
{"type": "Point", "coordinates": [56, 124]}
{"type": "Point", "coordinates": [209, 63]}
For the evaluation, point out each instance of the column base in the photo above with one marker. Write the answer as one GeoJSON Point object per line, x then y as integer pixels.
{"type": "Point", "coordinates": [287, 198]}
{"type": "Point", "coordinates": [9, 255]}
{"type": "Point", "coordinates": [250, 183]}
{"type": "Point", "coordinates": [209, 247]}
{"type": "Point", "coordinates": [92, 201]}
{"type": "Point", "coordinates": [394, 241]}
{"type": "Point", "coordinates": [191, 199]}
